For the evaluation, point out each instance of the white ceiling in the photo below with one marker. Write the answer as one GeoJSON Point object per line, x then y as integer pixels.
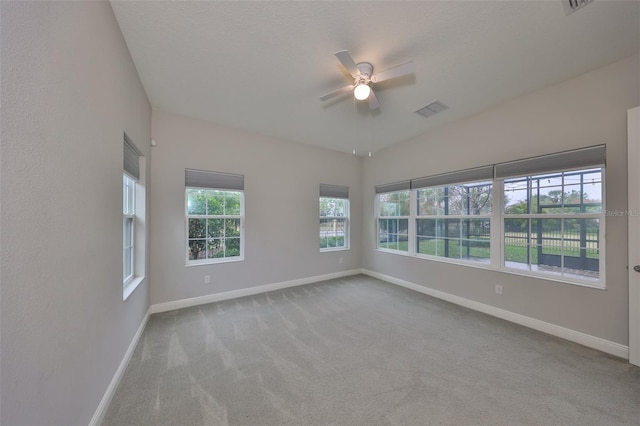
{"type": "Point", "coordinates": [262, 66]}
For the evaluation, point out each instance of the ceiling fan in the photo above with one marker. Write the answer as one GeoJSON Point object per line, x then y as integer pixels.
{"type": "Point", "coordinates": [363, 78]}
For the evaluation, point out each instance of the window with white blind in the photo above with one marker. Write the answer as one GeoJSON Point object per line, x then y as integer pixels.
{"type": "Point", "coordinates": [128, 227]}
{"type": "Point", "coordinates": [133, 218]}
{"type": "Point", "coordinates": [214, 217]}
{"type": "Point", "coordinates": [542, 216]}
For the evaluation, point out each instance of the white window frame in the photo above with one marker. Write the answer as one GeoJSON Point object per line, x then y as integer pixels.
{"type": "Point", "coordinates": [569, 278]}
{"type": "Point", "coordinates": [128, 227]}
{"type": "Point", "coordinates": [410, 223]}
{"type": "Point", "coordinates": [346, 219]}
{"type": "Point", "coordinates": [497, 245]}
{"type": "Point", "coordinates": [208, 261]}
{"type": "Point", "coordinates": [459, 217]}
{"type": "Point", "coordinates": [134, 218]}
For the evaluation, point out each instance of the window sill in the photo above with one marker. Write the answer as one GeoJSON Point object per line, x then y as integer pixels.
{"type": "Point", "coordinates": [598, 285]}
{"type": "Point", "coordinates": [398, 252]}
{"type": "Point", "coordinates": [130, 287]}
{"type": "Point", "coordinates": [595, 284]}
{"type": "Point", "coordinates": [325, 250]}
{"type": "Point", "coordinates": [453, 261]}
{"type": "Point", "coordinates": [215, 261]}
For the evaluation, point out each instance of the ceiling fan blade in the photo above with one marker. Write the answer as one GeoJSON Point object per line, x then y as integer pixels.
{"type": "Point", "coordinates": [345, 58]}
{"type": "Point", "coordinates": [397, 71]}
{"type": "Point", "coordinates": [340, 91]}
{"type": "Point", "coordinates": [373, 101]}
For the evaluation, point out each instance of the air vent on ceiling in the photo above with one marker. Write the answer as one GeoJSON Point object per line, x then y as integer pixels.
{"type": "Point", "coordinates": [432, 108]}
{"type": "Point", "coordinates": [571, 6]}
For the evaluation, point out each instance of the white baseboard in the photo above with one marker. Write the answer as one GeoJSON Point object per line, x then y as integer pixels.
{"type": "Point", "coordinates": [98, 416]}
{"type": "Point", "coordinates": [588, 340]}
{"type": "Point", "coordinates": [217, 297]}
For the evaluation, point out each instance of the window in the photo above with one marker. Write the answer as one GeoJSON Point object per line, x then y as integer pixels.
{"type": "Point", "coordinates": [393, 220]}
{"type": "Point", "coordinates": [552, 223]}
{"type": "Point", "coordinates": [334, 217]}
{"type": "Point", "coordinates": [454, 221]}
{"type": "Point", "coordinates": [128, 227]}
{"type": "Point", "coordinates": [133, 218]}
{"type": "Point", "coordinates": [542, 216]}
{"type": "Point", "coordinates": [215, 217]}
{"type": "Point", "coordinates": [334, 223]}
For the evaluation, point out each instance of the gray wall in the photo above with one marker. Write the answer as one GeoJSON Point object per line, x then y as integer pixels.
{"type": "Point", "coordinates": [281, 207]}
{"type": "Point", "coordinates": [69, 91]}
{"type": "Point", "coordinates": [586, 110]}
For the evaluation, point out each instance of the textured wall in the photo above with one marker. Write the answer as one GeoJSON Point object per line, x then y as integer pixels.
{"type": "Point", "coordinates": [587, 110]}
{"type": "Point", "coordinates": [281, 207]}
{"type": "Point", "coordinates": [69, 91]}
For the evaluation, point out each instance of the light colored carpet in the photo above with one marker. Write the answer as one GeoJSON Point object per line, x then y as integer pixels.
{"type": "Point", "coordinates": [358, 351]}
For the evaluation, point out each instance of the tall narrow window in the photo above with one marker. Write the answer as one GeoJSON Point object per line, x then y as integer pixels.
{"type": "Point", "coordinates": [334, 217]}
{"type": "Point", "coordinates": [214, 216]}
{"type": "Point", "coordinates": [133, 218]}
{"type": "Point", "coordinates": [128, 227]}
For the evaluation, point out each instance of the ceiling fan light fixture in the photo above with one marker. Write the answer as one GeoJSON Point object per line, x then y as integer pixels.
{"type": "Point", "coordinates": [362, 91]}
{"type": "Point", "coordinates": [363, 78]}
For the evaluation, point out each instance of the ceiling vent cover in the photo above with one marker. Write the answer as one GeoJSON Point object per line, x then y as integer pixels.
{"type": "Point", "coordinates": [571, 6]}
{"type": "Point", "coordinates": [433, 108]}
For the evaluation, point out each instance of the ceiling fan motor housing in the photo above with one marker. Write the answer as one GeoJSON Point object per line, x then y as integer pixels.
{"type": "Point", "coordinates": [366, 69]}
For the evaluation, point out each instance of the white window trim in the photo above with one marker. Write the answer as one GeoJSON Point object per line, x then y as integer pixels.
{"type": "Point", "coordinates": [497, 218]}
{"type": "Point", "coordinates": [129, 201]}
{"type": "Point", "coordinates": [411, 251]}
{"type": "Point", "coordinates": [130, 286]}
{"type": "Point", "coordinates": [132, 247]}
{"type": "Point", "coordinates": [597, 284]}
{"type": "Point", "coordinates": [347, 226]}
{"type": "Point", "coordinates": [139, 234]}
{"type": "Point", "coordinates": [414, 216]}
{"type": "Point", "coordinates": [199, 262]}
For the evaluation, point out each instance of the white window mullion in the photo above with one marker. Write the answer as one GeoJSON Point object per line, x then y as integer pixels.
{"type": "Point", "coordinates": [412, 239]}
{"type": "Point", "coordinates": [562, 270]}
{"type": "Point", "coordinates": [376, 218]}
{"type": "Point", "coordinates": [497, 225]}
{"type": "Point", "coordinates": [529, 248]}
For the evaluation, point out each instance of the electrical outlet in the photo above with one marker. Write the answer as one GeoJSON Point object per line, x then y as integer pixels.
{"type": "Point", "coordinates": [207, 279]}
{"type": "Point", "coordinates": [340, 261]}
{"type": "Point", "coordinates": [498, 289]}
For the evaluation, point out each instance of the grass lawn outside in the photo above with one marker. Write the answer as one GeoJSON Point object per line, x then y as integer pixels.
{"type": "Point", "coordinates": [479, 248]}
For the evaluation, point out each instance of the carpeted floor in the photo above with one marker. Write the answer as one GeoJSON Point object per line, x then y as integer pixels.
{"type": "Point", "coordinates": [359, 351]}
